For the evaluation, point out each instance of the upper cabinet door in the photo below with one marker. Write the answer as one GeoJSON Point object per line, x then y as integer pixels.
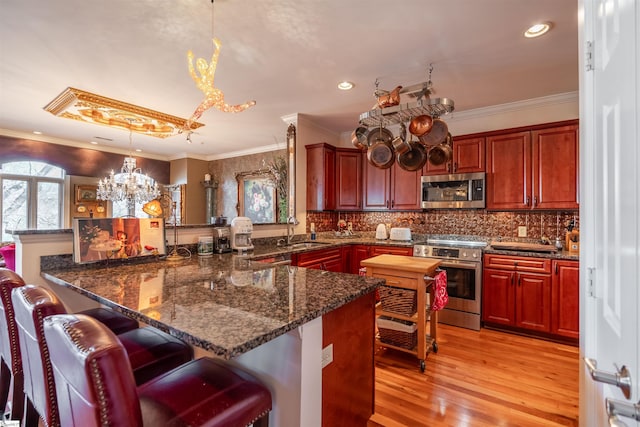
{"type": "Point", "coordinates": [406, 189]}
{"type": "Point", "coordinates": [376, 184]}
{"type": "Point", "coordinates": [468, 155]}
{"type": "Point", "coordinates": [555, 168]}
{"type": "Point", "coordinates": [321, 177]}
{"type": "Point", "coordinates": [348, 179]}
{"type": "Point", "coordinates": [509, 171]}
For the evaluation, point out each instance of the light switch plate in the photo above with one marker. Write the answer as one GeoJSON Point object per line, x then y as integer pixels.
{"type": "Point", "coordinates": [327, 355]}
{"type": "Point", "coordinates": [522, 231]}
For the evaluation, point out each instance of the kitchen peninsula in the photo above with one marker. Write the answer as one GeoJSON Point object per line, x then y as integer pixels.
{"type": "Point", "coordinates": [273, 320]}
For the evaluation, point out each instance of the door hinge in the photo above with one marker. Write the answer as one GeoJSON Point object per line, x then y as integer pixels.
{"type": "Point", "coordinates": [588, 60]}
{"type": "Point", "coordinates": [590, 284]}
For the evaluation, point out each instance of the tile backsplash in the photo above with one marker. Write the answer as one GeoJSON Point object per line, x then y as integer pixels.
{"type": "Point", "coordinates": [470, 222]}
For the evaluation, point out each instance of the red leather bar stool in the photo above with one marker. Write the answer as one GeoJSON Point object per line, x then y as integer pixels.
{"type": "Point", "coordinates": [10, 360]}
{"type": "Point", "coordinates": [94, 389]}
{"type": "Point", "coordinates": [150, 352]}
{"type": "Point", "coordinates": [11, 376]}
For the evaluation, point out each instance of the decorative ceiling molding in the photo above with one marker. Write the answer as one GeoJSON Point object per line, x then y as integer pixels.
{"type": "Point", "coordinates": [88, 107]}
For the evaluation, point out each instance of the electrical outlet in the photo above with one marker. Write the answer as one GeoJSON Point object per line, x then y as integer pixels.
{"type": "Point", "coordinates": [522, 231]}
{"type": "Point", "coordinates": [327, 355]}
{"type": "Point", "coordinates": [350, 226]}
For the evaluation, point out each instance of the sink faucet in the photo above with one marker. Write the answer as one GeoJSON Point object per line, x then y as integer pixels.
{"type": "Point", "coordinates": [291, 223]}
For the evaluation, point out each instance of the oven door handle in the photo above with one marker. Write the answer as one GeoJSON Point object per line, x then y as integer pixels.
{"type": "Point", "coordinates": [460, 264]}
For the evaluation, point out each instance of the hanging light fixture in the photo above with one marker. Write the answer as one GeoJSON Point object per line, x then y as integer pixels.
{"type": "Point", "coordinates": [204, 79]}
{"type": "Point", "coordinates": [129, 184]}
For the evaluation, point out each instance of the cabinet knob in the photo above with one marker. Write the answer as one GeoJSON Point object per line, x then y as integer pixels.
{"type": "Point", "coordinates": [535, 200]}
{"type": "Point", "coordinates": [528, 201]}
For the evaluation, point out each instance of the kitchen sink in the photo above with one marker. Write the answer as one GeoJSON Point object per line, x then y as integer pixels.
{"type": "Point", "coordinates": [306, 245]}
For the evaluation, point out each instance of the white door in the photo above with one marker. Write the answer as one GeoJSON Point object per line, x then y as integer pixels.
{"type": "Point", "coordinates": [610, 195]}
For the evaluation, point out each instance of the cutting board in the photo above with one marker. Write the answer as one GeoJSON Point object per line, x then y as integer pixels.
{"type": "Point", "coordinates": [526, 247]}
{"type": "Point", "coordinates": [403, 263]}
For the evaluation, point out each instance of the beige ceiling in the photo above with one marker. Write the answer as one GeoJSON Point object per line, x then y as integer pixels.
{"type": "Point", "coordinates": [288, 55]}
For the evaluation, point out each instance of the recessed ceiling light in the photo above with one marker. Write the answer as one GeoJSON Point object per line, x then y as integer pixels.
{"type": "Point", "coordinates": [37, 132]}
{"type": "Point", "coordinates": [138, 150]}
{"type": "Point", "coordinates": [93, 142]}
{"type": "Point", "coordinates": [537, 30]}
{"type": "Point", "coordinates": [345, 85]}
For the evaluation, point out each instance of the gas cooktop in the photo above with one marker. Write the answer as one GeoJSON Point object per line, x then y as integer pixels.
{"type": "Point", "coordinates": [456, 243]}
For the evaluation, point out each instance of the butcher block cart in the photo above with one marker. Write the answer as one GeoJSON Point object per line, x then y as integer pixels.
{"type": "Point", "coordinates": [403, 303]}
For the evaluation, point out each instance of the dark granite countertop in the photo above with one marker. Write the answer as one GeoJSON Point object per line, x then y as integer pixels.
{"type": "Point", "coordinates": [566, 255]}
{"type": "Point", "coordinates": [227, 304]}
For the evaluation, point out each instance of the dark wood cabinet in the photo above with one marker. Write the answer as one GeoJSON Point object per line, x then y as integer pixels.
{"type": "Point", "coordinates": [348, 179]}
{"type": "Point", "coordinates": [555, 167]}
{"type": "Point", "coordinates": [321, 177]}
{"type": "Point", "coordinates": [517, 292]}
{"type": "Point", "coordinates": [358, 253]}
{"type": "Point", "coordinates": [362, 252]}
{"type": "Point", "coordinates": [565, 299]}
{"type": "Point", "coordinates": [390, 189]}
{"type": "Point", "coordinates": [468, 157]}
{"type": "Point", "coordinates": [324, 259]}
{"type": "Point", "coordinates": [533, 169]}
{"type": "Point", "coordinates": [391, 250]}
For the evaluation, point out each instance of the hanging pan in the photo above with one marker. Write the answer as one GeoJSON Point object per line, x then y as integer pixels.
{"type": "Point", "coordinates": [414, 159]}
{"type": "Point", "coordinates": [380, 152]}
{"type": "Point", "coordinates": [437, 134]}
{"type": "Point", "coordinates": [400, 143]}
{"type": "Point", "coordinates": [359, 138]}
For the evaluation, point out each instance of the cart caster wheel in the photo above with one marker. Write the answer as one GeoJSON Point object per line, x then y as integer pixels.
{"type": "Point", "coordinates": [422, 366]}
{"type": "Point", "coordinates": [435, 347]}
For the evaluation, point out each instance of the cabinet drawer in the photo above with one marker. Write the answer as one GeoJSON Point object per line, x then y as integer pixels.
{"type": "Point", "coordinates": [391, 250]}
{"type": "Point", "coordinates": [397, 281]}
{"type": "Point", "coordinates": [533, 265]}
{"type": "Point", "coordinates": [307, 258]}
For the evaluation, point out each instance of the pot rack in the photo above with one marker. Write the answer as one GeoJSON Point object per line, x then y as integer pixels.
{"type": "Point", "coordinates": [404, 112]}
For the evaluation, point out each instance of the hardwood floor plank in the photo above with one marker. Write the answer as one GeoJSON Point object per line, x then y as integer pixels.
{"type": "Point", "coordinates": [485, 378]}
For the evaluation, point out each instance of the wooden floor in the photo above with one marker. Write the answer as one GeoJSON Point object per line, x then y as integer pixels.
{"type": "Point", "coordinates": [485, 378]}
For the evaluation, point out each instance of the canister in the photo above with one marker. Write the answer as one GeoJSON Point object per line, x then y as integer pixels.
{"type": "Point", "coordinates": [205, 245]}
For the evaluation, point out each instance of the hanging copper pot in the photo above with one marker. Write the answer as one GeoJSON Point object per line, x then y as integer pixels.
{"type": "Point", "coordinates": [420, 125]}
{"type": "Point", "coordinates": [414, 159]}
{"type": "Point", "coordinates": [359, 138]}
{"type": "Point", "coordinates": [400, 143]}
{"type": "Point", "coordinates": [437, 134]}
{"type": "Point", "coordinates": [440, 154]}
{"type": "Point", "coordinates": [390, 99]}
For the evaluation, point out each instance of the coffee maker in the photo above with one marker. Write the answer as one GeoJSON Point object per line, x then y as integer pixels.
{"type": "Point", "coordinates": [221, 240]}
{"type": "Point", "coordinates": [241, 229]}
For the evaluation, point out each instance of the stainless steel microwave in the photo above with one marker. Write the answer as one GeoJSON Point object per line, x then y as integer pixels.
{"type": "Point", "coordinates": [456, 191]}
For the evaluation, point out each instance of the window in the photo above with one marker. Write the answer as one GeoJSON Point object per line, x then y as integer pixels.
{"type": "Point", "coordinates": [31, 196]}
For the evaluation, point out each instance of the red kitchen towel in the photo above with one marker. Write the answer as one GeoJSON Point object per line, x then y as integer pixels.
{"type": "Point", "coordinates": [440, 298]}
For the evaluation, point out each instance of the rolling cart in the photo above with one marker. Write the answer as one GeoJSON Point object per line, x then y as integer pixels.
{"type": "Point", "coordinates": [403, 314]}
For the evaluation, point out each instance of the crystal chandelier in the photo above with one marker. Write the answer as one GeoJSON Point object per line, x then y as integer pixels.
{"type": "Point", "coordinates": [130, 184]}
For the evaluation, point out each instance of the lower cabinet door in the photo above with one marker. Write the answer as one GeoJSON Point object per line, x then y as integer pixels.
{"type": "Point", "coordinates": [533, 297]}
{"type": "Point", "coordinates": [565, 299]}
{"type": "Point", "coordinates": [498, 302]}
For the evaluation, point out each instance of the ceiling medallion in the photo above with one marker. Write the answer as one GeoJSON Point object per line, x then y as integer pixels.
{"type": "Point", "coordinates": [88, 107]}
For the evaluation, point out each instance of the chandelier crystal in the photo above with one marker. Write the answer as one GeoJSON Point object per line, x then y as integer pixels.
{"type": "Point", "coordinates": [129, 184]}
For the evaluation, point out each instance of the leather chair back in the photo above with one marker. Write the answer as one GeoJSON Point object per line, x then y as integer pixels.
{"type": "Point", "coordinates": [32, 304]}
{"type": "Point", "coordinates": [10, 360]}
{"type": "Point", "coordinates": [94, 385]}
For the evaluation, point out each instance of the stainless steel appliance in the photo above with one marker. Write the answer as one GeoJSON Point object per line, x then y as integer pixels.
{"type": "Point", "coordinates": [241, 229]}
{"type": "Point", "coordinates": [465, 190]}
{"type": "Point", "coordinates": [463, 262]}
{"type": "Point", "coordinates": [221, 240]}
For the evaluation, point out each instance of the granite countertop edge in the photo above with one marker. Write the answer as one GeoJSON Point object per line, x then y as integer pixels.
{"type": "Point", "coordinates": [227, 352]}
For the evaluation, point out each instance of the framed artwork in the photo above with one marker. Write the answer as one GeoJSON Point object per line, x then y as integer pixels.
{"type": "Point", "coordinates": [86, 193]}
{"type": "Point", "coordinates": [257, 197]}
{"type": "Point", "coordinates": [96, 239]}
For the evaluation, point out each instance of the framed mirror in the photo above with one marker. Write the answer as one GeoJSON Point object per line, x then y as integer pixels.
{"type": "Point", "coordinates": [257, 197]}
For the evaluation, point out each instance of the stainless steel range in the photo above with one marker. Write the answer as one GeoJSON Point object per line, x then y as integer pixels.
{"type": "Point", "coordinates": [463, 262]}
